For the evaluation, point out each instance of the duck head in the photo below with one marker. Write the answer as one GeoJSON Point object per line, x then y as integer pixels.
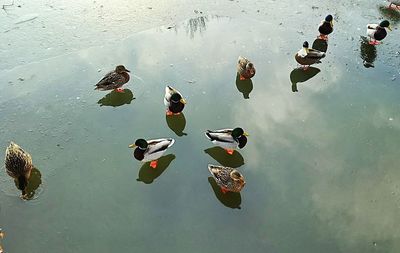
{"type": "Point", "coordinates": [240, 136]}
{"type": "Point", "coordinates": [121, 69]}
{"type": "Point", "coordinates": [329, 19]}
{"type": "Point", "coordinates": [176, 98]}
{"type": "Point", "coordinates": [140, 143]}
{"type": "Point", "coordinates": [238, 178]}
{"type": "Point", "coordinates": [385, 24]}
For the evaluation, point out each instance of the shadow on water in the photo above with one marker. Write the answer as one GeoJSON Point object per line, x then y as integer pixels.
{"type": "Point", "coordinates": [177, 123]}
{"type": "Point", "coordinates": [367, 52]}
{"type": "Point", "coordinates": [117, 98]}
{"type": "Point", "coordinates": [229, 199]}
{"type": "Point", "coordinates": [244, 86]}
{"type": "Point", "coordinates": [34, 182]}
{"type": "Point", "coordinates": [321, 45]}
{"type": "Point", "coordinates": [300, 75]}
{"type": "Point", "coordinates": [392, 15]}
{"type": "Point", "coordinates": [147, 174]}
{"type": "Point", "coordinates": [220, 155]}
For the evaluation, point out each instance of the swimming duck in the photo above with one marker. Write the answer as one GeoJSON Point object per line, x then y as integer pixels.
{"type": "Point", "coordinates": [376, 32]}
{"type": "Point", "coordinates": [228, 139]}
{"type": "Point", "coordinates": [326, 27]}
{"type": "Point", "coordinates": [18, 165]}
{"type": "Point", "coordinates": [151, 150]}
{"type": "Point", "coordinates": [174, 101]}
{"type": "Point", "coordinates": [114, 79]}
{"type": "Point", "coordinates": [245, 68]}
{"type": "Point", "coordinates": [308, 56]}
{"type": "Point", "coordinates": [229, 179]}
{"type": "Point", "coordinates": [396, 4]}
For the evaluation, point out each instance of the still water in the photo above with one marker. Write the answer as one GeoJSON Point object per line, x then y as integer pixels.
{"type": "Point", "coordinates": [321, 164]}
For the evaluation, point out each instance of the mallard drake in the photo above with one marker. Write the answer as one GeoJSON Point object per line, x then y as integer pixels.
{"type": "Point", "coordinates": [174, 101]}
{"type": "Point", "coordinates": [245, 68]}
{"type": "Point", "coordinates": [228, 139]}
{"type": "Point", "coordinates": [308, 56]}
{"type": "Point", "coordinates": [376, 32]}
{"type": "Point", "coordinates": [326, 27]}
{"type": "Point", "coordinates": [18, 164]}
{"type": "Point", "coordinates": [396, 4]}
{"type": "Point", "coordinates": [151, 150]}
{"type": "Point", "coordinates": [114, 79]}
{"type": "Point", "coordinates": [229, 179]}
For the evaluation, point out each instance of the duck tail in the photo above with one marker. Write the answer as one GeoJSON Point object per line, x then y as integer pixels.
{"type": "Point", "coordinates": [172, 141]}
{"type": "Point", "coordinates": [207, 133]}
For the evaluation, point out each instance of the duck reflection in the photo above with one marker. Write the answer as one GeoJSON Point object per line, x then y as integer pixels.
{"type": "Point", "coordinates": [229, 199]}
{"type": "Point", "coordinates": [368, 53]}
{"type": "Point", "coordinates": [148, 174]}
{"type": "Point", "coordinates": [391, 14]}
{"type": "Point", "coordinates": [321, 45]}
{"type": "Point", "coordinates": [34, 181]}
{"type": "Point", "coordinates": [244, 86]}
{"type": "Point", "coordinates": [220, 155]}
{"type": "Point", "coordinates": [300, 75]}
{"type": "Point", "coordinates": [177, 123]}
{"type": "Point", "coordinates": [117, 98]}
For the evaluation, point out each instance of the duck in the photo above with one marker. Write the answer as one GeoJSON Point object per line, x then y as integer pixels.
{"type": "Point", "coordinates": [151, 150]}
{"type": "Point", "coordinates": [326, 27]}
{"type": "Point", "coordinates": [376, 32]}
{"type": "Point", "coordinates": [173, 101]}
{"type": "Point", "coordinates": [396, 4]}
{"type": "Point", "coordinates": [114, 79]}
{"type": "Point", "coordinates": [229, 179]}
{"type": "Point", "coordinates": [228, 139]}
{"type": "Point", "coordinates": [308, 56]}
{"type": "Point", "coordinates": [18, 164]}
{"type": "Point", "coordinates": [245, 68]}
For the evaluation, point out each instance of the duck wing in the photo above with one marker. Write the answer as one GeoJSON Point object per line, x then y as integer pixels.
{"type": "Point", "coordinates": [110, 80]}
{"type": "Point", "coordinates": [223, 135]}
{"type": "Point", "coordinates": [221, 175]}
{"type": "Point", "coordinates": [316, 54]}
{"type": "Point", "coordinates": [158, 145]}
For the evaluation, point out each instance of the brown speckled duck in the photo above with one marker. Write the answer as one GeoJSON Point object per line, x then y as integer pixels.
{"type": "Point", "coordinates": [229, 179]}
{"type": "Point", "coordinates": [18, 165]}
{"type": "Point", "coordinates": [245, 68]}
{"type": "Point", "coordinates": [114, 80]}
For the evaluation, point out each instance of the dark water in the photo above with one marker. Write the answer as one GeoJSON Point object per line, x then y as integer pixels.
{"type": "Point", "coordinates": [321, 164]}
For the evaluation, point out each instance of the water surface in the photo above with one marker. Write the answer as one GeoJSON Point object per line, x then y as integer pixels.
{"type": "Point", "coordinates": [321, 164]}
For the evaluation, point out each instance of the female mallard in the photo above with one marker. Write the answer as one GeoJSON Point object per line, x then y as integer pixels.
{"type": "Point", "coordinates": [245, 68]}
{"type": "Point", "coordinates": [174, 101]}
{"type": "Point", "coordinates": [228, 139]}
{"type": "Point", "coordinates": [308, 56]}
{"type": "Point", "coordinates": [18, 165]}
{"type": "Point", "coordinates": [326, 27]}
{"type": "Point", "coordinates": [229, 179]}
{"type": "Point", "coordinates": [396, 4]}
{"type": "Point", "coordinates": [376, 32]}
{"type": "Point", "coordinates": [151, 150]}
{"type": "Point", "coordinates": [114, 80]}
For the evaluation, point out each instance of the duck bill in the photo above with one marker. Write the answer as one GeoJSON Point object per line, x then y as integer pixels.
{"type": "Point", "coordinates": [127, 70]}
{"type": "Point", "coordinates": [390, 28]}
{"type": "Point", "coordinates": [183, 101]}
{"type": "Point", "coordinates": [332, 23]}
{"type": "Point", "coordinates": [246, 134]}
{"type": "Point", "coordinates": [132, 146]}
